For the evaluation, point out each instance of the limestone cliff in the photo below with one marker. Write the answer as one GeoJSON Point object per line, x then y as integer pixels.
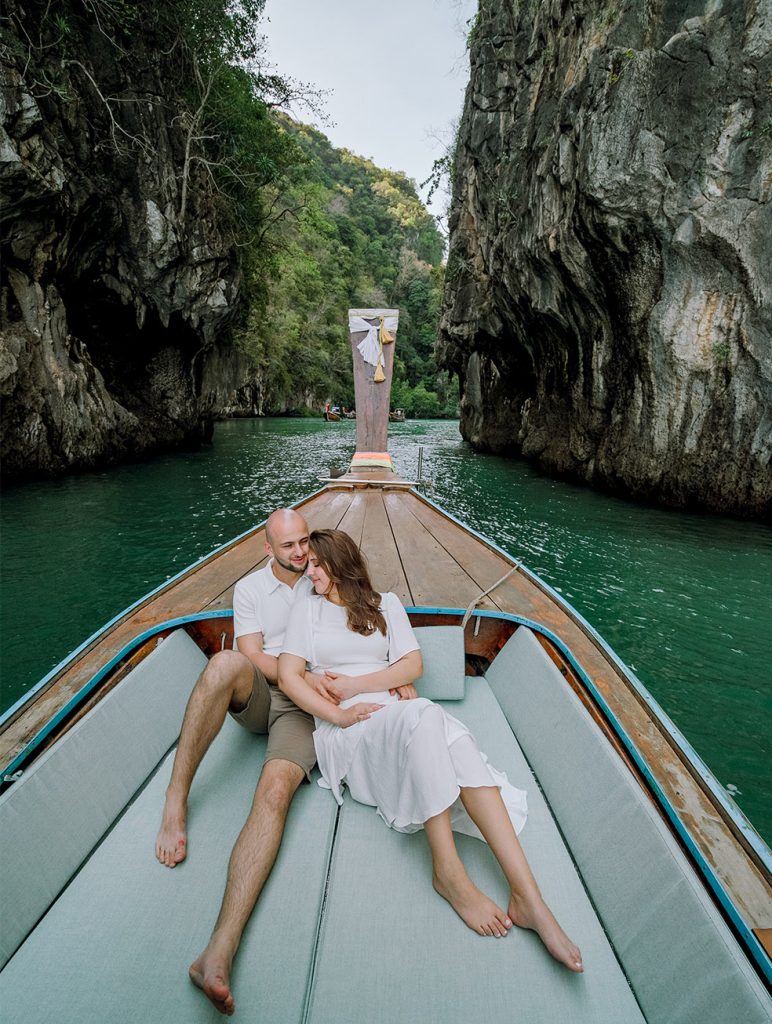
{"type": "Point", "coordinates": [114, 303]}
{"type": "Point", "coordinates": [608, 302]}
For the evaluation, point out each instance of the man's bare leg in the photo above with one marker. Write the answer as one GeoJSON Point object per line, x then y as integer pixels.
{"type": "Point", "coordinates": [225, 683]}
{"type": "Point", "coordinates": [451, 881]}
{"type": "Point", "coordinates": [250, 864]}
{"type": "Point", "coordinates": [527, 908]}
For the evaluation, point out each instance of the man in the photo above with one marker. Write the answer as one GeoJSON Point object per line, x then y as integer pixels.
{"type": "Point", "coordinates": [243, 683]}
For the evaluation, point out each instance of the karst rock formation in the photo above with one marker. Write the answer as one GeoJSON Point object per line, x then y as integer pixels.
{"type": "Point", "coordinates": [608, 303]}
{"type": "Point", "coordinates": [116, 302]}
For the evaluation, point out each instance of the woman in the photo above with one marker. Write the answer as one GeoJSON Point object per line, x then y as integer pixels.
{"type": "Point", "coordinates": [418, 765]}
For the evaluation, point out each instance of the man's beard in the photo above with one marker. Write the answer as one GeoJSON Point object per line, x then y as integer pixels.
{"type": "Point", "coordinates": [290, 567]}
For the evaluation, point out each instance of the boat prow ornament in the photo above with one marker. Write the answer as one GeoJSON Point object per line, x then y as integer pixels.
{"type": "Point", "coordinates": [373, 334]}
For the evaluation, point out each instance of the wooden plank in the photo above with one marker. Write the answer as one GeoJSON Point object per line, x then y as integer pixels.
{"type": "Point", "coordinates": [434, 577]}
{"type": "Point", "coordinates": [325, 511]}
{"type": "Point", "coordinates": [372, 399]}
{"type": "Point", "coordinates": [481, 563]}
{"type": "Point", "coordinates": [353, 521]}
{"type": "Point", "coordinates": [225, 599]}
{"type": "Point", "coordinates": [380, 549]}
{"type": "Point", "coordinates": [764, 935]}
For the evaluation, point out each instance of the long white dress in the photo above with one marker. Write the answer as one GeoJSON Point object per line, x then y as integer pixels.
{"type": "Point", "coordinates": [409, 759]}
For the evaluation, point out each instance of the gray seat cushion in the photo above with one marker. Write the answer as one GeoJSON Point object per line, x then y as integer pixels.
{"type": "Point", "coordinates": [116, 945]}
{"type": "Point", "coordinates": [52, 817]}
{"type": "Point", "coordinates": [681, 959]}
{"type": "Point", "coordinates": [442, 649]}
{"type": "Point", "coordinates": [392, 950]}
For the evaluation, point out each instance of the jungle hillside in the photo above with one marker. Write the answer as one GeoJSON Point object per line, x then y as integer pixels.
{"type": "Point", "coordinates": [175, 247]}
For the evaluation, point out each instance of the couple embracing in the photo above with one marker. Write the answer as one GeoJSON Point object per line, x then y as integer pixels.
{"type": "Point", "coordinates": [326, 666]}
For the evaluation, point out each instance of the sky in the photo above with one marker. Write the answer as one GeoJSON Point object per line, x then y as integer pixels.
{"type": "Point", "coordinates": [397, 71]}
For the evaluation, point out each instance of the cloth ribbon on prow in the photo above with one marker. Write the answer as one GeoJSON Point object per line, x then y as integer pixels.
{"type": "Point", "coordinates": [378, 335]}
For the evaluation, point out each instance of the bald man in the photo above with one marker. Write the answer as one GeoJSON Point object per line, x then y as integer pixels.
{"type": "Point", "coordinates": [242, 683]}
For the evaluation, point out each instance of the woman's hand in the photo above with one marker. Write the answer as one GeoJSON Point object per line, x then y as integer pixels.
{"type": "Point", "coordinates": [406, 692]}
{"type": "Point", "coordinates": [356, 713]}
{"type": "Point", "coordinates": [347, 686]}
{"type": "Point", "coordinates": [325, 688]}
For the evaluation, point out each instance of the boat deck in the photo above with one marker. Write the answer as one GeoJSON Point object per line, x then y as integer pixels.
{"type": "Point", "coordinates": [348, 927]}
{"type": "Point", "coordinates": [347, 930]}
{"type": "Point", "coordinates": [429, 560]}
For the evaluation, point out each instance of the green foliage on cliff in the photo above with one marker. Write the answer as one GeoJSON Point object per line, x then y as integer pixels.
{"type": "Point", "coordinates": [347, 234]}
{"type": "Point", "coordinates": [316, 229]}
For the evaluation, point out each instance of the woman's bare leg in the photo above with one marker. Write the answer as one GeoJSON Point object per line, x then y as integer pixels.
{"type": "Point", "coordinates": [451, 881]}
{"type": "Point", "coordinates": [526, 906]}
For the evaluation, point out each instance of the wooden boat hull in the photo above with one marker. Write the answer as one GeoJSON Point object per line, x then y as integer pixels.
{"type": "Point", "coordinates": [437, 567]}
{"type": "Point", "coordinates": [341, 871]}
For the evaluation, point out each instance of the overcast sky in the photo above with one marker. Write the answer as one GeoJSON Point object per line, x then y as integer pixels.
{"type": "Point", "coordinates": [397, 70]}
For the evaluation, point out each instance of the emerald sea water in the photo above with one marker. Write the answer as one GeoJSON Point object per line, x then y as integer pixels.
{"type": "Point", "coordinates": [684, 600]}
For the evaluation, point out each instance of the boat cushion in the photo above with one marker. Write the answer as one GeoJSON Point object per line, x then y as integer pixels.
{"type": "Point", "coordinates": [392, 950]}
{"type": "Point", "coordinates": [682, 962]}
{"type": "Point", "coordinates": [117, 943]}
{"type": "Point", "coordinates": [76, 790]}
{"type": "Point", "coordinates": [442, 648]}
{"type": "Point", "coordinates": [348, 927]}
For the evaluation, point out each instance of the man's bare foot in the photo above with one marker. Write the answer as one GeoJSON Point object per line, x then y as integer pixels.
{"type": "Point", "coordinates": [171, 844]}
{"type": "Point", "coordinates": [472, 906]}
{"type": "Point", "coordinates": [536, 915]}
{"type": "Point", "coordinates": [211, 973]}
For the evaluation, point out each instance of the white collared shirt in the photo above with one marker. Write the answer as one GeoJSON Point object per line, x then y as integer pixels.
{"type": "Point", "coordinates": [262, 604]}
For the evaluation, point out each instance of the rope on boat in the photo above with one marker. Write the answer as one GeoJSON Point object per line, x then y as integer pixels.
{"type": "Point", "coordinates": [473, 605]}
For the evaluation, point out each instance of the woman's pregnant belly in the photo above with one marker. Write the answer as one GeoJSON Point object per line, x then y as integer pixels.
{"type": "Point", "coordinates": [379, 697]}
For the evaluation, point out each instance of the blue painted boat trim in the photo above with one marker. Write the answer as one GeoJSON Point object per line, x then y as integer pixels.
{"type": "Point", "coordinates": [712, 784]}
{"type": "Point", "coordinates": [701, 769]}
{"type": "Point", "coordinates": [10, 712]}
{"type": "Point", "coordinates": [750, 941]}
{"type": "Point", "coordinates": [752, 944]}
{"type": "Point", "coordinates": [85, 691]}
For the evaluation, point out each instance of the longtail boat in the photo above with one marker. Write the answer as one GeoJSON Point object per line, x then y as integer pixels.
{"type": "Point", "coordinates": [646, 861]}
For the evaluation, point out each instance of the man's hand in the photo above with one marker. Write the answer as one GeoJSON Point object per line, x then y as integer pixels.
{"type": "Point", "coordinates": [406, 692]}
{"type": "Point", "coordinates": [356, 713]}
{"type": "Point", "coordinates": [324, 687]}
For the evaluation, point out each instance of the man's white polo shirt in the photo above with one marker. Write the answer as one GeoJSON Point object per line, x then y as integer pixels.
{"type": "Point", "coordinates": [262, 603]}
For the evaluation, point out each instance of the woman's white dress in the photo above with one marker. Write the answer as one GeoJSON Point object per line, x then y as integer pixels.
{"type": "Point", "coordinates": [408, 759]}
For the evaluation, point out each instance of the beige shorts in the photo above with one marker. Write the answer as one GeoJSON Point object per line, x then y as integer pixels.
{"type": "Point", "coordinates": [290, 730]}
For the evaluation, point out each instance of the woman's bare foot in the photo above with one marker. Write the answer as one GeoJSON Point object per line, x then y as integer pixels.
{"type": "Point", "coordinates": [211, 973]}
{"type": "Point", "coordinates": [536, 915]}
{"type": "Point", "coordinates": [472, 906]}
{"type": "Point", "coordinates": [171, 844]}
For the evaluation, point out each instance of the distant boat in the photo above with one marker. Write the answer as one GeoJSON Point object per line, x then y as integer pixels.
{"type": "Point", "coordinates": [647, 863]}
{"type": "Point", "coordinates": [332, 414]}
{"type": "Point", "coordinates": [397, 416]}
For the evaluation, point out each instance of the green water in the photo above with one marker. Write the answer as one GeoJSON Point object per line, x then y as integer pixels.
{"type": "Point", "coordinates": [684, 600]}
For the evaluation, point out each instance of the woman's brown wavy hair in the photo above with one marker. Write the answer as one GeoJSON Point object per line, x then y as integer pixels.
{"type": "Point", "coordinates": [343, 562]}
